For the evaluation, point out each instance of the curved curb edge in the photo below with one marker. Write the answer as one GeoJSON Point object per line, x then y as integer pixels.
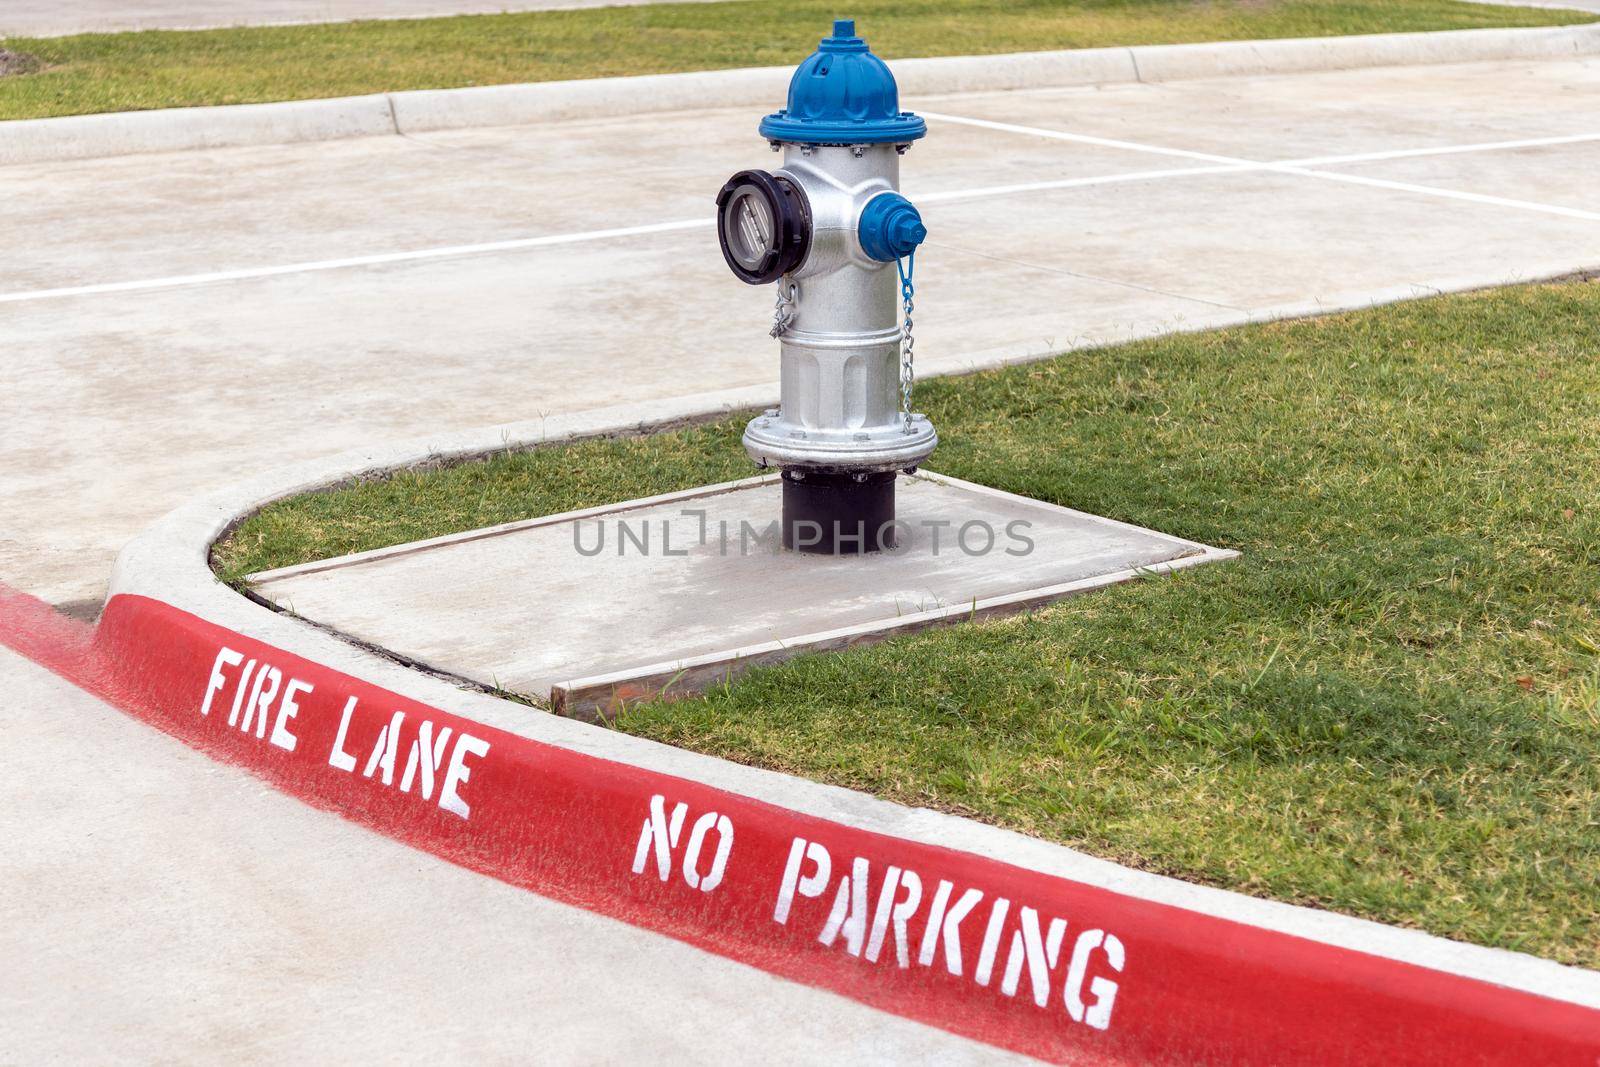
{"type": "Point", "coordinates": [419, 111]}
{"type": "Point", "coordinates": [1144, 968]}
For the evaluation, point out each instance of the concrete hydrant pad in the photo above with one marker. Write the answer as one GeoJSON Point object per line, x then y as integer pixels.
{"type": "Point", "coordinates": [673, 592]}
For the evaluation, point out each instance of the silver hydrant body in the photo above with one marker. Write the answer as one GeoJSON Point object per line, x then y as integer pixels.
{"type": "Point", "coordinates": [832, 231]}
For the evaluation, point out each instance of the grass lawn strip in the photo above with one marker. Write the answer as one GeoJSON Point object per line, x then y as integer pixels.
{"type": "Point", "coordinates": [1390, 706]}
{"type": "Point", "coordinates": [155, 69]}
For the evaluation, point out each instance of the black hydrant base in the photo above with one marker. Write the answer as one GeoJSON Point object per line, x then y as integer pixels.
{"type": "Point", "coordinates": [835, 514]}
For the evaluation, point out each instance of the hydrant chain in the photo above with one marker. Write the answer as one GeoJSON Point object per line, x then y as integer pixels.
{"type": "Point", "coordinates": [784, 306]}
{"type": "Point", "coordinates": [908, 342]}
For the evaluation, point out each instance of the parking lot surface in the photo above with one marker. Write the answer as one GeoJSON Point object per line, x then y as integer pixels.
{"type": "Point", "coordinates": [182, 319]}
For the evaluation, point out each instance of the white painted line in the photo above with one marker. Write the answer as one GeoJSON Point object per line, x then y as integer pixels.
{"type": "Point", "coordinates": [353, 261]}
{"type": "Point", "coordinates": [1079, 183]}
{"type": "Point", "coordinates": [247, 273]}
{"type": "Point", "coordinates": [1084, 138]}
{"type": "Point", "coordinates": [1447, 194]}
{"type": "Point", "coordinates": [1293, 167]}
{"type": "Point", "coordinates": [1220, 165]}
{"type": "Point", "coordinates": [1442, 150]}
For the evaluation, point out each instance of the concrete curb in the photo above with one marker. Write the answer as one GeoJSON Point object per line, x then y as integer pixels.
{"type": "Point", "coordinates": [1244, 58]}
{"type": "Point", "coordinates": [1204, 974]}
{"type": "Point", "coordinates": [183, 129]}
{"type": "Point", "coordinates": [178, 129]}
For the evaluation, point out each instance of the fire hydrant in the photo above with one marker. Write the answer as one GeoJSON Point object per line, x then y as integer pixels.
{"type": "Point", "coordinates": [831, 230]}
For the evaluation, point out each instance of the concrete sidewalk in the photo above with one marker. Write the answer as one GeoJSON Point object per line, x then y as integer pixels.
{"type": "Point", "coordinates": [49, 18]}
{"type": "Point", "coordinates": [177, 321]}
{"type": "Point", "coordinates": [164, 908]}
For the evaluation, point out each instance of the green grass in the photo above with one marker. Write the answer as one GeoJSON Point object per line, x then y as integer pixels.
{"type": "Point", "coordinates": [130, 71]}
{"type": "Point", "coordinates": [1389, 706]}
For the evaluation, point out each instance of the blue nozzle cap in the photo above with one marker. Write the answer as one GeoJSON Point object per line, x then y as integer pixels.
{"type": "Point", "coordinates": [891, 227]}
{"type": "Point", "coordinates": [843, 94]}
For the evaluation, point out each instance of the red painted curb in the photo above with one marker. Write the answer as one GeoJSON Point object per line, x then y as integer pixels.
{"type": "Point", "coordinates": [991, 951]}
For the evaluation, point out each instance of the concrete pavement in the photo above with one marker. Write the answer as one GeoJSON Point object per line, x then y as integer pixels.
{"type": "Point", "coordinates": [717, 600]}
{"type": "Point", "coordinates": [49, 18]}
{"type": "Point", "coordinates": [163, 907]}
{"type": "Point", "coordinates": [305, 299]}
{"type": "Point", "coordinates": [178, 897]}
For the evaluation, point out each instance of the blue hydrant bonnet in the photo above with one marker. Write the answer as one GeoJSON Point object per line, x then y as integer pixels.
{"type": "Point", "coordinates": [843, 94]}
